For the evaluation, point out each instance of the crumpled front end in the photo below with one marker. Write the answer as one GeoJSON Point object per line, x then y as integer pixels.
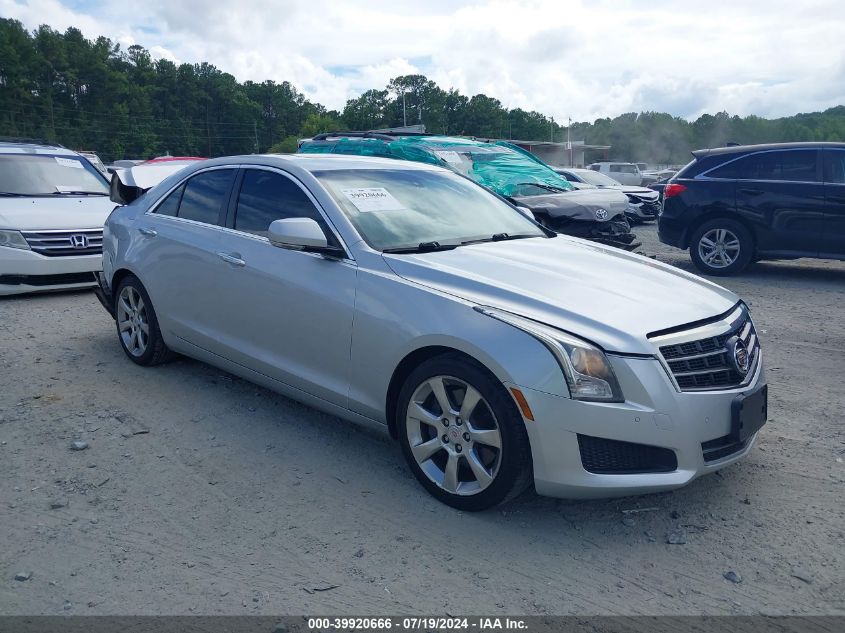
{"type": "Point", "coordinates": [591, 214]}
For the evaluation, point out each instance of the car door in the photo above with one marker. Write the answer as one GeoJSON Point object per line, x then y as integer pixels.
{"type": "Point", "coordinates": [780, 193]}
{"type": "Point", "coordinates": [176, 254]}
{"type": "Point", "coordinates": [291, 311]}
{"type": "Point", "coordinates": [833, 240]}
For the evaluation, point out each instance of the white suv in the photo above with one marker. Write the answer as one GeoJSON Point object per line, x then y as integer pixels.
{"type": "Point", "coordinates": [53, 204]}
{"type": "Point", "coordinates": [624, 173]}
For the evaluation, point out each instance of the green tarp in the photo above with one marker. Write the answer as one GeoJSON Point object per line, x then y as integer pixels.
{"type": "Point", "coordinates": [506, 169]}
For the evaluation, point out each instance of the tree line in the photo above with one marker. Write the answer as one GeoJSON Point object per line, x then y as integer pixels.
{"type": "Point", "coordinates": [94, 95]}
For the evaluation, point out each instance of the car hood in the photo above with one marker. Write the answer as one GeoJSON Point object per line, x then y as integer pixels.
{"type": "Point", "coordinates": [578, 204]}
{"type": "Point", "coordinates": [644, 192]}
{"type": "Point", "coordinates": [59, 212]}
{"type": "Point", "coordinates": [608, 296]}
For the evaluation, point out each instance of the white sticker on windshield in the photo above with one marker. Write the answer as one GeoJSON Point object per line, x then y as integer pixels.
{"type": "Point", "coordinates": [449, 156]}
{"type": "Point", "coordinates": [63, 188]}
{"type": "Point", "coordinates": [69, 162]}
{"type": "Point", "coordinates": [369, 199]}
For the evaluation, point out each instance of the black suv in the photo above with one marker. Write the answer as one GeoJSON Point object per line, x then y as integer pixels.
{"type": "Point", "coordinates": [735, 205]}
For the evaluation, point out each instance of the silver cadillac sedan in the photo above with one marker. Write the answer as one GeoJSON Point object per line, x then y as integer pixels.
{"type": "Point", "coordinates": [499, 354]}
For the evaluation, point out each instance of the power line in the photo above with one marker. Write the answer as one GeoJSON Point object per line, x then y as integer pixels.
{"type": "Point", "coordinates": [83, 116]}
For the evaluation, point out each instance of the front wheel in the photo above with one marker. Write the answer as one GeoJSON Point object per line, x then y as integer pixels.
{"type": "Point", "coordinates": [721, 247]}
{"type": "Point", "coordinates": [462, 434]}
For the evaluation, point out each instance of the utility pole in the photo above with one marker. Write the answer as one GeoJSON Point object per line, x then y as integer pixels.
{"type": "Point", "coordinates": [255, 131]}
{"type": "Point", "coordinates": [569, 141]}
{"type": "Point", "coordinates": [404, 115]}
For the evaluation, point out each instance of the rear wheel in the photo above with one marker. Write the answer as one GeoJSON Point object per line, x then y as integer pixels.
{"type": "Point", "coordinates": [721, 247]}
{"type": "Point", "coordinates": [462, 434]}
{"type": "Point", "coordinates": [137, 325]}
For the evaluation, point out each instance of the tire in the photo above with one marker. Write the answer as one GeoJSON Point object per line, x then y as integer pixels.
{"type": "Point", "coordinates": [134, 313]}
{"type": "Point", "coordinates": [737, 247]}
{"type": "Point", "coordinates": [505, 471]}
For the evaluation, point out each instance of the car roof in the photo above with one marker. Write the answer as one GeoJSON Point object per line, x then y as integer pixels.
{"type": "Point", "coordinates": [9, 147]}
{"type": "Point", "coordinates": [744, 149]}
{"type": "Point", "coordinates": [328, 162]}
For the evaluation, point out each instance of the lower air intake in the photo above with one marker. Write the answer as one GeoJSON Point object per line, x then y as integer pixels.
{"type": "Point", "coordinates": [612, 457]}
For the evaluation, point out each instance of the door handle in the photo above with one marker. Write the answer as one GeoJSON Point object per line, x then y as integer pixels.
{"type": "Point", "coordinates": [751, 192]}
{"type": "Point", "coordinates": [148, 232]}
{"type": "Point", "coordinates": [231, 259]}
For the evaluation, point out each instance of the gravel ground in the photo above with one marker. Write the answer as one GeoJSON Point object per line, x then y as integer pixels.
{"type": "Point", "coordinates": [197, 492]}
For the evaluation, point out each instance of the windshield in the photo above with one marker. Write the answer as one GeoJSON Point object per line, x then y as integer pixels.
{"type": "Point", "coordinates": [597, 179]}
{"type": "Point", "coordinates": [396, 208]}
{"type": "Point", "coordinates": [40, 175]}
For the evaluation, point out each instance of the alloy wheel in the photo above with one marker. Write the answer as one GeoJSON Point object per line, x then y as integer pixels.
{"type": "Point", "coordinates": [719, 248]}
{"type": "Point", "coordinates": [132, 321]}
{"type": "Point", "coordinates": [454, 435]}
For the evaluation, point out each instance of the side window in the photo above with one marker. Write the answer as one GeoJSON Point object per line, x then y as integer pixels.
{"type": "Point", "coordinates": [266, 196]}
{"type": "Point", "coordinates": [834, 166]}
{"type": "Point", "coordinates": [595, 167]}
{"type": "Point", "coordinates": [205, 194]}
{"type": "Point", "coordinates": [794, 165]}
{"type": "Point", "coordinates": [170, 205]}
{"type": "Point", "coordinates": [728, 171]}
{"type": "Point", "coordinates": [615, 168]}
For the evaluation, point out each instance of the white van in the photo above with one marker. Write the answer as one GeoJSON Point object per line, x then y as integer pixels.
{"type": "Point", "coordinates": [53, 204]}
{"type": "Point", "coordinates": [624, 173]}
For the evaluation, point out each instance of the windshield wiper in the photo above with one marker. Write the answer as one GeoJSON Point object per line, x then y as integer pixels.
{"type": "Point", "coordinates": [80, 193]}
{"type": "Point", "coordinates": [422, 247]}
{"type": "Point", "coordinates": [9, 194]}
{"type": "Point", "coordinates": [501, 237]}
{"type": "Point", "coordinates": [544, 186]}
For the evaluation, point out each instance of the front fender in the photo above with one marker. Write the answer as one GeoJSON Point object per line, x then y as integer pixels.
{"type": "Point", "coordinates": [395, 317]}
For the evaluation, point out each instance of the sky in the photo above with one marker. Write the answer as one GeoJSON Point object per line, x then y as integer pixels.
{"type": "Point", "coordinates": [582, 59]}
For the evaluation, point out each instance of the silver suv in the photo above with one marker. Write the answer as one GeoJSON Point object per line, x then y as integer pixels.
{"type": "Point", "coordinates": [499, 354]}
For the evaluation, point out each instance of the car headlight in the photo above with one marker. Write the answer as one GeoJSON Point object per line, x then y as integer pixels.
{"type": "Point", "coordinates": [585, 367]}
{"type": "Point", "coordinates": [13, 239]}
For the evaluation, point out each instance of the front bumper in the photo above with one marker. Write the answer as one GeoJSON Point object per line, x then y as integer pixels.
{"type": "Point", "coordinates": [23, 271]}
{"type": "Point", "coordinates": [695, 426]}
{"type": "Point", "coordinates": [615, 232]}
{"type": "Point", "coordinates": [643, 210]}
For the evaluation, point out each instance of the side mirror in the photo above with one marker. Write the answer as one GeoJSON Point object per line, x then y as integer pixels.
{"type": "Point", "coordinates": [300, 233]}
{"type": "Point", "coordinates": [528, 213]}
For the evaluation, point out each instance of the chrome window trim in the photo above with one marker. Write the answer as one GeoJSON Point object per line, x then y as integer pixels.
{"type": "Point", "coordinates": [703, 175]}
{"type": "Point", "coordinates": [224, 229]}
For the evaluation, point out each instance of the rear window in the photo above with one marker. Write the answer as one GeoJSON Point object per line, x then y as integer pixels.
{"type": "Point", "coordinates": [43, 175]}
{"type": "Point", "coordinates": [791, 165]}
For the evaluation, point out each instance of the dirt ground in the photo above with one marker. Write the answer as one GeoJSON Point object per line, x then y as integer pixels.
{"type": "Point", "coordinates": [201, 493]}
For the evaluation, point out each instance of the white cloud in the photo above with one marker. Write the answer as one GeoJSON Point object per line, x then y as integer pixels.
{"type": "Point", "coordinates": [585, 59]}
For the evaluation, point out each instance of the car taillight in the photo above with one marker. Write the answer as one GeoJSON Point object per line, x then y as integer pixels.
{"type": "Point", "coordinates": [673, 189]}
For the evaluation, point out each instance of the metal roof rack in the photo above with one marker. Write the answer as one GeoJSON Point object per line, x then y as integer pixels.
{"type": "Point", "coordinates": [385, 135]}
